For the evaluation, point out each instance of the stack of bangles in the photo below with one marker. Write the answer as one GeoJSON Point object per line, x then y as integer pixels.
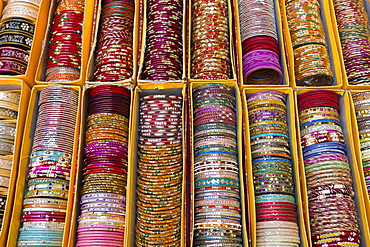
{"type": "Point", "coordinates": [332, 210]}
{"type": "Point", "coordinates": [17, 27]}
{"type": "Point", "coordinates": [5, 170]}
{"type": "Point", "coordinates": [7, 137]}
{"type": "Point", "coordinates": [163, 59]}
{"type": "Point", "coordinates": [354, 32]}
{"type": "Point", "coordinates": [217, 200]}
{"type": "Point", "coordinates": [362, 111]}
{"type": "Point", "coordinates": [64, 54]}
{"type": "Point", "coordinates": [210, 45]}
{"type": "Point", "coordinates": [260, 48]}
{"type": "Point", "coordinates": [114, 60]}
{"type": "Point", "coordinates": [311, 58]}
{"type": "Point", "coordinates": [9, 103]}
{"type": "Point", "coordinates": [160, 171]}
{"type": "Point", "coordinates": [104, 176]}
{"type": "Point", "coordinates": [274, 192]}
{"type": "Point", "coordinates": [47, 187]}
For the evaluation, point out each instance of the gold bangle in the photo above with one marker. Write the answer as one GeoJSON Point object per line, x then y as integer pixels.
{"type": "Point", "coordinates": [33, 2]}
{"type": "Point", "coordinates": [20, 9]}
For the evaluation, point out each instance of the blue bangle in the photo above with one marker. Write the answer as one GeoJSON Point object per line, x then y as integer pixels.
{"type": "Point", "coordinates": [337, 145]}
{"type": "Point", "coordinates": [271, 159]}
{"type": "Point", "coordinates": [270, 134]}
{"type": "Point", "coordinates": [320, 120]}
{"type": "Point", "coordinates": [217, 182]}
{"type": "Point", "coordinates": [306, 156]}
{"type": "Point", "coordinates": [274, 192]}
{"type": "Point", "coordinates": [215, 152]}
{"type": "Point", "coordinates": [317, 150]}
{"type": "Point", "coordinates": [49, 153]}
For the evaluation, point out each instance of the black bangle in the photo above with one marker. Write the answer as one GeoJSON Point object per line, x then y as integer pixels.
{"type": "Point", "coordinates": [18, 24]}
{"type": "Point", "coordinates": [16, 38]}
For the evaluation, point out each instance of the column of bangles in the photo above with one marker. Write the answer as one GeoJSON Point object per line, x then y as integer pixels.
{"type": "Point", "coordinates": [332, 210]}
{"type": "Point", "coordinates": [114, 60]}
{"type": "Point", "coordinates": [362, 110]}
{"type": "Point", "coordinates": [354, 35]}
{"type": "Point", "coordinates": [260, 48]}
{"type": "Point", "coordinates": [103, 192]}
{"type": "Point", "coordinates": [47, 187]}
{"type": "Point", "coordinates": [9, 102]}
{"type": "Point", "coordinates": [210, 44]}
{"type": "Point", "coordinates": [217, 202]}
{"type": "Point", "coordinates": [163, 49]}
{"type": "Point", "coordinates": [17, 27]}
{"type": "Point", "coordinates": [64, 54]}
{"type": "Point", "coordinates": [159, 181]}
{"type": "Point", "coordinates": [311, 58]}
{"type": "Point", "coordinates": [272, 170]}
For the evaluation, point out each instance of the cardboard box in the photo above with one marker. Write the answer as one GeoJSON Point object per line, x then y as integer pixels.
{"type": "Point", "coordinates": [283, 55]}
{"type": "Point", "coordinates": [330, 41]}
{"type": "Point", "coordinates": [345, 117]}
{"type": "Point", "coordinates": [80, 164]}
{"type": "Point", "coordinates": [294, 155]}
{"type": "Point", "coordinates": [234, 85]}
{"type": "Point", "coordinates": [334, 22]}
{"type": "Point", "coordinates": [95, 34]}
{"type": "Point", "coordinates": [142, 45]}
{"type": "Point", "coordinates": [14, 85]}
{"type": "Point", "coordinates": [40, 76]}
{"type": "Point", "coordinates": [30, 126]}
{"type": "Point", "coordinates": [176, 89]}
{"type": "Point", "coordinates": [37, 44]}
{"type": "Point", "coordinates": [357, 149]}
{"type": "Point", "coordinates": [231, 41]}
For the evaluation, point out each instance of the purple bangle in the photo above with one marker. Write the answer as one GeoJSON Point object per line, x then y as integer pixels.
{"type": "Point", "coordinates": [102, 146]}
{"type": "Point", "coordinates": [269, 114]}
{"type": "Point", "coordinates": [101, 200]}
{"type": "Point", "coordinates": [325, 157]}
{"type": "Point", "coordinates": [115, 210]}
{"type": "Point", "coordinates": [318, 132]}
{"type": "Point", "coordinates": [267, 95]}
{"type": "Point", "coordinates": [46, 168]}
{"type": "Point", "coordinates": [262, 59]}
{"type": "Point", "coordinates": [224, 221]}
{"type": "Point", "coordinates": [103, 195]}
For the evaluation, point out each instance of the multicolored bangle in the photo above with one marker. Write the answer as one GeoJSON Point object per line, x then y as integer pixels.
{"type": "Point", "coordinates": [160, 171]}
{"type": "Point", "coordinates": [329, 181]}
{"type": "Point", "coordinates": [272, 168]}
{"type": "Point", "coordinates": [114, 52]}
{"type": "Point", "coordinates": [104, 175]}
{"type": "Point", "coordinates": [354, 33]}
{"type": "Point", "coordinates": [260, 48]}
{"type": "Point", "coordinates": [362, 103]}
{"type": "Point", "coordinates": [311, 58]}
{"type": "Point", "coordinates": [45, 201]}
{"type": "Point", "coordinates": [210, 43]}
{"type": "Point", "coordinates": [64, 51]}
{"type": "Point", "coordinates": [216, 169]}
{"type": "Point", "coordinates": [163, 59]}
{"type": "Point", "coordinates": [17, 27]}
